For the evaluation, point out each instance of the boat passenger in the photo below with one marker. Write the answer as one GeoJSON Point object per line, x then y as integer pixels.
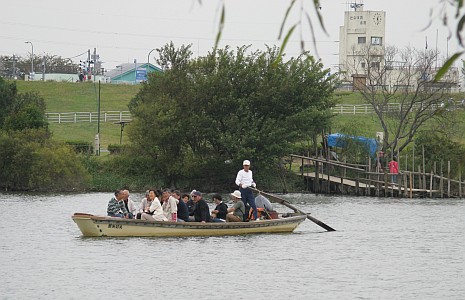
{"type": "Point", "coordinates": [116, 206]}
{"type": "Point", "coordinates": [170, 206]}
{"type": "Point", "coordinates": [201, 210]}
{"type": "Point", "coordinates": [244, 180]}
{"type": "Point", "coordinates": [263, 202]}
{"type": "Point", "coordinates": [236, 212]}
{"type": "Point", "coordinates": [129, 204]}
{"type": "Point", "coordinates": [155, 212]}
{"type": "Point", "coordinates": [183, 210]}
{"type": "Point", "coordinates": [188, 201]}
{"type": "Point", "coordinates": [191, 205]}
{"type": "Point", "coordinates": [144, 204]}
{"type": "Point", "coordinates": [221, 209]}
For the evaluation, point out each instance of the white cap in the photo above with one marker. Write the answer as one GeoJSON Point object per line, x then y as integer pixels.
{"type": "Point", "coordinates": [246, 163]}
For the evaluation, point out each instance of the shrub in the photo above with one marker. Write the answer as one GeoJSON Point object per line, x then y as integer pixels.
{"type": "Point", "coordinates": [115, 148]}
{"type": "Point", "coordinates": [81, 146]}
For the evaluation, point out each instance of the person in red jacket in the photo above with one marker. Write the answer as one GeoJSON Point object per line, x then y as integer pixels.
{"type": "Point", "coordinates": [393, 169]}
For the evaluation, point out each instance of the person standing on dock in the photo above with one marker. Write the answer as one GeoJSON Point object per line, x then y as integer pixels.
{"type": "Point", "coordinates": [393, 169]}
{"type": "Point", "coordinates": [244, 180]}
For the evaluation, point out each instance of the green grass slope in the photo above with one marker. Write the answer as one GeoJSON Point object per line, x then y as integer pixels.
{"type": "Point", "coordinates": [83, 97]}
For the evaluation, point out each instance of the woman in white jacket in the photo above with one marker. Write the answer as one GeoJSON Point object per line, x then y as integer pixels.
{"type": "Point", "coordinates": [155, 212]}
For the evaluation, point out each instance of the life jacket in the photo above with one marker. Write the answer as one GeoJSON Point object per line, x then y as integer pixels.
{"type": "Point", "coordinates": [261, 212]}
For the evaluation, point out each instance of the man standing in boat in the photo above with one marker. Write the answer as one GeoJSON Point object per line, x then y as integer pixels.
{"type": "Point", "coordinates": [244, 180]}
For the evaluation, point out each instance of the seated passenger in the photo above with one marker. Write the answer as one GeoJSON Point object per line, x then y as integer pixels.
{"type": "Point", "coordinates": [237, 211]}
{"type": "Point", "coordinates": [183, 211]}
{"type": "Point", "coordinates": [201, 210]}
{"type": "Point", "coordinates": [263, 202]}
{"type": "Point", "coordinates": [170, 206]}
{"type": "Point", "coordinates": [144, 204]}
{"type": "Point", "coordinates": [221, 209]}
{"type": "Point", "coordinates": [189, 203]}
{"type": "Point", "coordinates": [155, 211]}
{"type": "Point", "coordinates": [129, 204]}
{"type": "Point", "coordinates": [116, 206]}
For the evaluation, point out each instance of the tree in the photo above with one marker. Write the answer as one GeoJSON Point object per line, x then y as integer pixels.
{"type": "Point", "coordinates": [29, 159]}
{"type": "Point", "coordinates": [8, 92]}
{"type": "Point", "coordinates": [403, 93]}
{"type": "Point", "coordinates": [27, 112]}
{"type": "Point", "coordinates": [228, 106]}
{"type": "Point", "coordinates": [20, 111]}
{"type": "Point", "coordinates": [11, 66]}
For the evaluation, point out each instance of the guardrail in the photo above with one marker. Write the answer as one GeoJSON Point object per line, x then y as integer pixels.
{"type": "Point", "coordinates": [79, 117]}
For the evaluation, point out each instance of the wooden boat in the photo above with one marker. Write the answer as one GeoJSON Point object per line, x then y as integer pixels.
{"type": "Point", "coordinates": [91, 225]}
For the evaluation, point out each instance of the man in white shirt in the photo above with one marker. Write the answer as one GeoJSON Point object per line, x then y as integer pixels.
{"type": "Point", "coordinates": [244, 180]}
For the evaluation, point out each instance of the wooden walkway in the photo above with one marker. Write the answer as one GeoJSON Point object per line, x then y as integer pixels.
{"type": "Point", "coordinates": [328, 176]}
{"type": "Point", "coordinates": [362, 185]}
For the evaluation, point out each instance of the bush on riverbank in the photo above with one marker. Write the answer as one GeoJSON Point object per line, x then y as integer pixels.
{"type": "Point", "coordinates": [32, 162]}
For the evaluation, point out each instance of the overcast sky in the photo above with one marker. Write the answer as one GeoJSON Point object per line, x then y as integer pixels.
{"type": "Point", "coordinates": [123, 30]}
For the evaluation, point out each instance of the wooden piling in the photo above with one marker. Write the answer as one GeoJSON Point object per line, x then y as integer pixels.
{"type": "Point", "coordinates": [460, 181]}
{"type": "Point", "coordinates": [441, 183]}
{"type": "Point", "coordinates": [431, 184]}
{"type": "Point", "coordinates": [448, 179]}
{"type": "Point", "coordinates": [413, 164]}
{"type": "Point", "coordinates": [424, 169]}
{"type": "Point", "coordinates": [419, 177]}
{"type": "Point", "coordinates": [411, 175]}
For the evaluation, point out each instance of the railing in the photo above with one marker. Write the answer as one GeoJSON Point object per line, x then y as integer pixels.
{"type": "Point", "coordinates": [118, 116]}
{"type": "Point", "coordinates": [354, 109]}
{"type": "Point", "coordinates": [79, 117]}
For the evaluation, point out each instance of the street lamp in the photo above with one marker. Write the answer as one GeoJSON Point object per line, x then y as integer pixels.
{"type": "Point", "coordinates": [32, 59]}
{"type": "Point", "coordinates": [148, 61]}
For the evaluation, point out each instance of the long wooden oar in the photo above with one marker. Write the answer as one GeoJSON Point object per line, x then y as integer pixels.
{"type": "Point", "coordinates": [295, 209]}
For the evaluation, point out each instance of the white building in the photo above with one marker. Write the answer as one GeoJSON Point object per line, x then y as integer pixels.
{"type": "Point", "coordinates": [363, 33]}
{"type": "Point", "coordinates": [364, 59]}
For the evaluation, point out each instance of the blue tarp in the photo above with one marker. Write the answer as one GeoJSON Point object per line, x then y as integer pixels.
{"type": "Point", "coordinates": [339, 140]}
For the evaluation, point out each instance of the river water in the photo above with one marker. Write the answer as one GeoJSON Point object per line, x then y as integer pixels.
{"type": "Point", "coordinates": [383, 248]}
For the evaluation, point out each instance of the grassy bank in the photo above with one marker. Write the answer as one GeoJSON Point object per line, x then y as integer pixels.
{"type": "Point", "coordinates": [83, 97]}
{"type": "Point", "coordinates": [76, 97]}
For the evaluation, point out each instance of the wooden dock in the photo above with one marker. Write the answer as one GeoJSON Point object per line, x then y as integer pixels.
{"type": "Point", "coordinates": [328, 176]}
{"type": "Point", "coordinates": [350, 183]}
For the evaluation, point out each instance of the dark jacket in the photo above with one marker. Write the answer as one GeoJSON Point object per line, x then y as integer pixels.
{"type": "Point", "coordinates": [183, 211]}
{"type": "Point", "coordinates": [222, 209]}
{"type": "Point", "coordinates": [201, 211]}
{"type": "Point", "coordinates": [190, 206]}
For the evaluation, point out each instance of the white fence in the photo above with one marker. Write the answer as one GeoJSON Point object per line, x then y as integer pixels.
{"type": "Point", "coordinates": [75, 117]}
{"type": "Point", "coordinates": [118, 116]}
{"type": "Point", "coordinates": [354, 109]}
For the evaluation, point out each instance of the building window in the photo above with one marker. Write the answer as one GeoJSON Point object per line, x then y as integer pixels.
{"type": "Point", "coordinates": [376, 40]}
{"type": "Point", "coordinates": [363, 65]}
{"type": "Point", "coordinates": [362, 40]}
{"type": "Point", "coordinates": [375, 65]}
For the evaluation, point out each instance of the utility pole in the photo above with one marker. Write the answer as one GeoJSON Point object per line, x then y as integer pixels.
{"type": "Point", "coordinates": [14, 67]}
{"type": "Point", "coordinates": [32, 59]}
{"type": "Point", "coordinates": [43, 69]}
{"type": "Point", "coordinates": [88, 65]}
{"type": "Point", "coordinates": [94, 60]}
{"type": "Point", "coordinates": [135, 71]}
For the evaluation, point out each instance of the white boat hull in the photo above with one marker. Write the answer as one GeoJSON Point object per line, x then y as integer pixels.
{"type": "Point", "coordinates": [95, 226]}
